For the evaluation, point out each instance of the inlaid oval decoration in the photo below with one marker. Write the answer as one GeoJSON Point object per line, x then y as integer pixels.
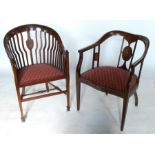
{"type": "Point", "coordinates": [29, 43]}
{"type": "Point", "coordinates": [127, 53]}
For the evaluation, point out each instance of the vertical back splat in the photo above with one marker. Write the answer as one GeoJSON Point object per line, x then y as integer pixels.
{"type": "Point", "coordinates": [30, 43]}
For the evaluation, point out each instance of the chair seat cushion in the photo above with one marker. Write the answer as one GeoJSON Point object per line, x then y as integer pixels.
{"type": "Point", "coordinates": [110, 78]}
{"type": "Point", "coordinates": [38, 73]}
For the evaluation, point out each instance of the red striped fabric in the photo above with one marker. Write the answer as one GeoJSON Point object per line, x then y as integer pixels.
{"type": "Point", "coordinates": [110, 78]}
{"type": "Point", "coordinates": [38, 73]}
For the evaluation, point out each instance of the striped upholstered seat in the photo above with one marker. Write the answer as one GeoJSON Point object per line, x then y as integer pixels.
{"type": "Point", "coordinates": [110, 78]}
{"type": "Point", "coordinates": [38, 73]}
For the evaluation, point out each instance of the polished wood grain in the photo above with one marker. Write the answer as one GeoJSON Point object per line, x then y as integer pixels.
{"type": "Point", "coordinates": [31, 44]}
{"type": "Point", "coordinates": [127, 55]}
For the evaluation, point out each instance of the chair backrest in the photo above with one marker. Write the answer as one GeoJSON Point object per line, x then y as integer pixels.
{"type": "Point", "coordinates": [126, 51]}
{"type": "Point", "coordinates": [34, 44]}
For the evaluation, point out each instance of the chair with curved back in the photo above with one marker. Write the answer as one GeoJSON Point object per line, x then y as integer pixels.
{"type": "Point", "coordinates": [121, 80]}
{"type": "Point", "coordinates": [37, 56]}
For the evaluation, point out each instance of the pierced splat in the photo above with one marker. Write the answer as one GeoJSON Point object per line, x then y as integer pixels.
{"type": "Point", "coordinates": [127, 51]}
{"type": "Point", "coordinates": [29, 42]}
{"type": "Point", "coordinates": [96, 56]}
{"type": "Point", "coordinates": [126, 55]}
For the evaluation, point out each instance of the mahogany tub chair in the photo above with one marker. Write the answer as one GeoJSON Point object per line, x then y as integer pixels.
{"type": "Point", "coordinates": [121, 80]}
{"type": "Point", "coordinates": [37, 56]}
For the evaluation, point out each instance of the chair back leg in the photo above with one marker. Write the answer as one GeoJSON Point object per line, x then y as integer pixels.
{"type": "Point", "coordinates": [136, 99]}
{"type": "Point", "coordinates": [68, 93]}
{"type": "Point", "coordinates": [47, 87]}
{"type": "Point", "coordinates": [20, 104]}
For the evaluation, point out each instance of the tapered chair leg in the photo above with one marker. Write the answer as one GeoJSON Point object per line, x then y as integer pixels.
{"type": "Point", "coordinates": [125, 107]}
{"type": "Point", "coordinates": [20, 102]}
{"type": "Point", "coordinates": [78, 89]}
{"type": "Point", "coordinates": [136, 99]}
{"type": "Point", "coordinates": [21, 112]}
{"type": "Point", "coordinates": [68, 93]}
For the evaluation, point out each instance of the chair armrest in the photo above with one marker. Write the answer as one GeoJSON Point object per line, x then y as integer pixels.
{"type": "Point", "coordinates": [102, 39]}
{"type": "Point", "coordinates": [140, 60]}
{"type": "Point", "coordinates": [135, 64]}
{"type": "Point", "coordinates": [87, 48]}
{"type": "Point", "coordinates": [78, 68]}
{"type": "Point", "coordinates": [92, 46]}
{"type": "Point", "coordinates": [132, 72]}
{"type": "Point", "coordinates": [81, 51]}
{"type": "Point", "coordinates": [66, 62]}
{"type": "Point", "coordinates": [13, 63]}
{"type": "Point", "coordinates": [14, 68]}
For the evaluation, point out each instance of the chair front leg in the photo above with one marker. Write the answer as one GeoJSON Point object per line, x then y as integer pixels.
{"type": "Point", "coordinates": [20, 105]}
{"type": "Point", "coordinates": [124, 112]}
{"type": "Point", "coordinates": [78, 90]}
